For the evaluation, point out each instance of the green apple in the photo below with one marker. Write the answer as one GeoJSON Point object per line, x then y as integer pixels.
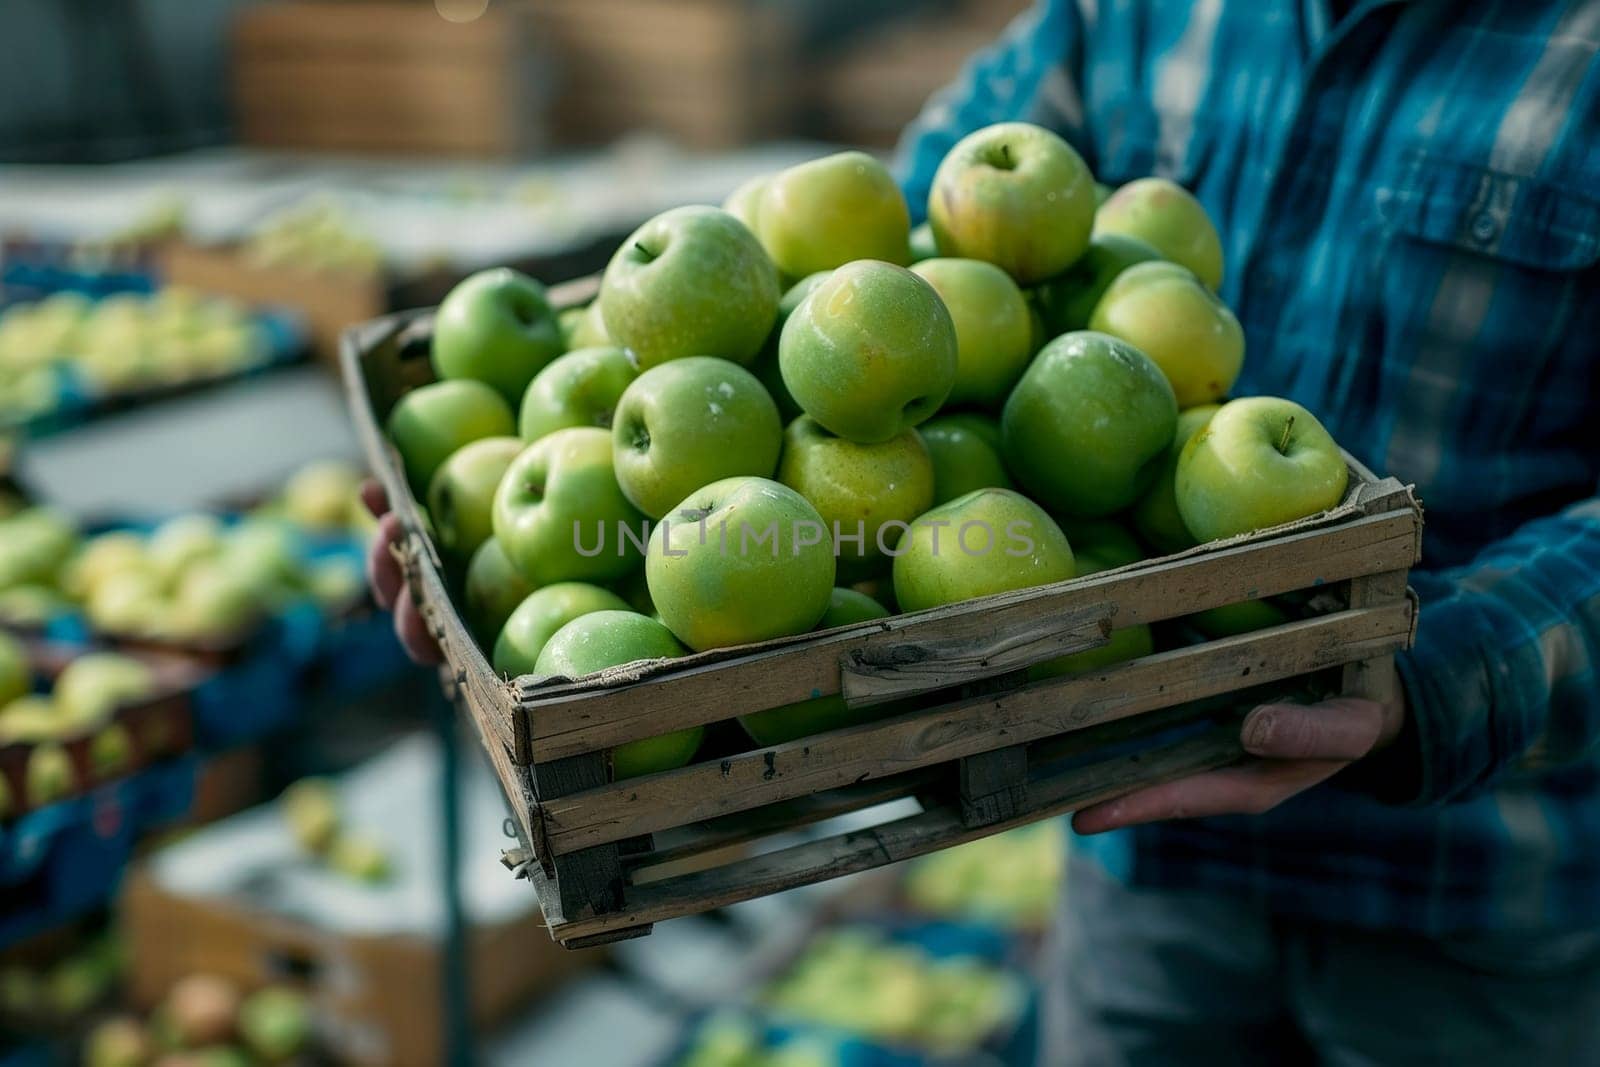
{"type": "Point", "coordinates": [431, 422]}
{"type": "Point", "coordinates": [311, 812]}
{"type": "Point", "coordinates": [181, 542]}
{"type": "Point", "coordinates": [1259, 462]}
{"type": "Point", "coordinates": [266, 554]}
{"type": "Point", "coordinates": [965, 449]}
{"type": "Point", "coordinates": [740, 560]}
{"type": "Point", "coordinates": [1102, 193]}
{"type": "Point", "coordinates": [110, 751]}
{"type": "Point", "coordinates": [819, 714]}
{"type": "Point", "coordinates": [100, 558]}
{"type": "Point", "coordinates": [1164, 311]}
{"type": "Point", "coordinates": [766, 368]}
{"type": "Point", "coordinates": [322, 495]}
{"type": "Point", "coordinates": [560, 515]}
{"type": "Point", "coordinates": [360, 858]}
{"type": "Point", "coordinates": [590, 330]}
{"type": "Point", "coordinates": [1130, 642]}
{"type": "Point", "coordinates": [496, 327]}
{"type": "Point", "coordinates": [865, 492]}
{"type": "Point", "coordinates": [744, 203]}
{"type": "Point", "coordinates": [214, 600]}
{"type": "Point", "coordinates": [688, 423]}
{"type": "Point", "coordinates": [1244, 617]}
{"type": "Point", "coordinates": [32, 606]}
{"type": "Point", "coordinates": [1156, 516]}
{"type": "Point", "coordinates": [31, 718]}
{"type": "Point", "coordinates": [923, 245]}
{"type": "Point", "coordinates": [830, 211]}
{"type": "Point", "coordinates": [692, 281]}
{"type": "Point", "coordinates": [604, 639]}
{"type": "Point", "coordinates": [93, 686]}
{"type": "Point", "coordinates": [989, 541]}
{"type": "Point", "coordinates": [461, 494]}
{"type": "Point", "coordinates": [1086, 427]}
{"type": "Point", "coordinates": [542, 613]}
{"type": "Point", "coordinates": [1100, 544]}
{"type": "Point", "coordinates": [1015, 195]}
{"type": "Point", "coordinates": [15, 677]}
{"type": "Point", "coordinates": [49, 775]}
{"type": "Point", "coordinates": [569, 319]}
{"type": "Point", "coordinates": [34, 546]}
{"type": "Point", "coordinates": [580, 388]}
{"type": "Point", "coordinates": [1167, 217]}
{"type": "Point", "coordinates": [275, 1023]}
{"type": "Point", "coordinates": [1068, 300]}
{"type": "Point", "coordinates": [870, 353]}
{"type": "Point", "coordinates": [491, 591]}
{"type": "Point", "coordinates": [122, 1041]}
{"type": "Point", "coordinates": [994, 328]}
{"type": "Point", "coordinates": [131, 602]}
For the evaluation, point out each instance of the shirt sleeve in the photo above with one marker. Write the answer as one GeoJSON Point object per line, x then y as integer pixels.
{"type": "Point", "coordinates": [1502, 679]}
{"type": "Point", "coordinates": [1030, 74]}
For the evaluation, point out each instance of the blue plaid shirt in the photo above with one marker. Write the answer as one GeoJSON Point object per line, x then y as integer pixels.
{"type": "Point", "coordinates": [1409, 199]}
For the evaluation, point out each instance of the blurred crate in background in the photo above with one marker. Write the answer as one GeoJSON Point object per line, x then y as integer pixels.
{"type": "Point", "coordinates": [388, 77]}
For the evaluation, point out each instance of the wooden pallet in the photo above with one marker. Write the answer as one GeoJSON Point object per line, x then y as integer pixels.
{"type": "Point", "coordinates": [982, 751]}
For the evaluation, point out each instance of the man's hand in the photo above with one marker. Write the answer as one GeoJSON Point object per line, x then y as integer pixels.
{"type": "Point", "coordinates": [388, 584]}
{"type": "Point", "coordinates": [1294, 747]}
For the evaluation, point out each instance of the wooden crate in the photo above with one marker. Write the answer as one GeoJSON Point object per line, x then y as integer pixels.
{"type": "Point", "coordinates": [381, 76]}
{"type": "Point", "coordinates": [985, 750]}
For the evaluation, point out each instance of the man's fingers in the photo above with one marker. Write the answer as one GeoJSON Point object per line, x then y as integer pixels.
{"type": "Point", "coordinates": [1246, 789]}
{"type": "Point", "coordinates": [1344, 728]}
{"type": "Point", "coordinates": [413, 631]}
{"type": "Point", "coordinates": [383, 570]}
{"type": "Point", "coordinates": [373, 496]}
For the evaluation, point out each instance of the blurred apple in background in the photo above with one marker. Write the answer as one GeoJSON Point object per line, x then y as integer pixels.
{"type": "Point", "coordinates": [870, 353]}
{"type": "Point", "coordinates": [1164, 311]}
{"type": "Point", "coordinates": [688, 423]}
{"type": "Point", "coordinates": [965, 450]}
{"type": "Point", "coordinates": [744, 203]}
{"type": "Point", "coordinates": [989, 541]}
{"type": "Point", "coordinates": [496, 327]}
{"type": "Point", "coordinates": [604, 639]}
{"type": "Point", "coordinates": [1167, 217]}
{"type": "Point", "coordinates": [1156, 516]}
{"type": "Point", "coordinates": [831, 211]}
{"type": "Point", "coordinates": [692, 281]}
{"type": "Point", "coordinates": [740, 560]}
{"type": "Point", "coordinates": [580, 388]}
{"type": "Point", "coordinates": [1015, 195]}
{"type": "Point", "coordinates": [94, 685]}
{"type": "Point", "coordinates": [590, 329]}
{"type": "Point", "coordinates": [1086, 427]}
{"type": "Point", "coordinates": [181, 542]}
{"type": "Point", "coordinates": [542, 613]}
{"type": "Point", "coordinates": [431, 422]}
{"type": "Point", "coordinates": [323, 495]}
{"type": "Point", "coordinates": [15, 677]}
{"type": "Point", "coordinates": [994, 328]}
{"type": "Point", "coordinates": [461, 494]}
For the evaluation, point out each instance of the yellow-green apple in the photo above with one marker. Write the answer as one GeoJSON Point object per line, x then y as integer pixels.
{"type": "Point", "coordinates": [590, 329]}
{"type": "Point", "coordinates": [100, 558]}
{"type": "Point", "coordinates": [923, 246]}
{"type": "Point", "coordinates": [1167, 217]}
{"type": "Point", "coordinates": [870, 353]}
{"type": "Point", "coordinates": [580, 388]}
{"type": "Point", "coordinates": [1102, 193]}
{"type": "Point", "coordinates": [92, 686]}
{"type": "Point", "coordinates": [604, 639]}
{"type": "Point", "coordinates": [496, 327]}
{"type": "Point", "coordinates": [739, 560]}
{"type": "Point", "coordinates": [692, 281]}
{"type": "Point", "coordinates": [1130, 642]}
{"type": "Point", "coordinates": [744, 203]}
{"type": "Point", "coordinates": [766, 367]}
{"type": "Point", "coordinates": [321, 495]}
{"type": "Point", "coordinates": [128, 602]}
{"type": "Point", "coordinates": [32, 718]}
{"type": "Point", "coordinates": [32, 606]}
{"type": "Point", "coordinates": [542, 613]}
{"type": "Point", "coordinates": [1156, 516]}
{"type": "Point", "coordinates": [491, 591]}
{"type": "Point", "coordinates": [311, 811]}
{"type": "Point", "coordinates": [994, 328]}
{"type": "Point", "coordinates": [688, 423]}
{"type": "Point", "coordinates": [965, 450]}
{"type": "Point", "coordinates": [1015, 195]}
{"type": "Point", "coordinates": [819, 714]}
{"type": "Point", "coordinates": [335, 584]}
{"type": "Point", "coordinates": [213, 600]}
{"type": "Point", "coordinates": [461, 494]}
{"type": "Point", "coordinates": [122, 1041]}
{"type": "Point", "coordinates": [14, 674]}
{"type": "Point", "coordinates": [110, 751]}
{"type": "Point", "coordinates": [1163, 310]}
{"type": "Point", "coordinates": [569, 319]}
{"type": "Point", "coordinates": [1244, 617]}
{"type": "Point", "coordinates": [560, 515]}
{"type": "Point", "coordinates": [50, 776]}
{"type": "Point", "coordinates": [182, 541]}
{"type": "Point", "coordinates": [360, 857]}
{"type": "Point", "coordinates": [1100, 544]}
{"type": "Point", "coordinates": [1067, 301]}
{"type": "Point", "coordinates": [433, 421]}
{"type": "Point", "coordinates": [34, 545]}
{"type": "Point", "coordinates": [1086, 427]}
{"type": "Point", "coordinates": [989, 541]}
{"type": "Point", "coordinates": [275, 1023]}
{"type": "Point", "coordinates": [1260, 461]}
{"type": "Point", "coordinates": [266, 554]}
{"type": "Point", "coordinates": [866, 494]}
{"type": "Point", "coordinates": [825, 213]}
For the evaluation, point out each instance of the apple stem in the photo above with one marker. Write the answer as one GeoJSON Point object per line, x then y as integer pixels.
{"type": "Point", "coordinates": [1283, 442]}
{"type": "Point", "coordinates": [1005, 154]}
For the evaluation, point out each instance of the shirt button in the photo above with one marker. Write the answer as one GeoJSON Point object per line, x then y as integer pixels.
{"type": "Point", "coordinates": [1484, 227]}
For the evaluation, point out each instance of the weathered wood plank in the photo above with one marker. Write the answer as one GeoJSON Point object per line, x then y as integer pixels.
{"type": "Point", "coordinates": [905, 838]}
{"type": "Point", "coordinates": [993, 786]}
{"type": "Point", "coordinates": [941, 734]}
{"type": "Point", "coordinates": [589, 880]}
{"type": "Point", "coordinates": [575, 718]}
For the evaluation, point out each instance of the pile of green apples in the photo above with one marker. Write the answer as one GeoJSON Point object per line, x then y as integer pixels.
{"type": "Point", "coordinates": [207, 1021]}
{"type": "Point", "coordinates": [1012, 879]}
{"type": "Point", "coordinates": [122, 343]}
{"type": "Point", "coordinates": [858, 981]}
{"type": "Point", "coordinates": [1039, 395]}
{"type": "Point", "coordinates": [84, 700]}
{"type": "Point", "coordinates": [36, 996]}
{"type": "Point", "coordinates": [317, 235]}
{"type": "Point", "coordinates": [731, 1041]}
